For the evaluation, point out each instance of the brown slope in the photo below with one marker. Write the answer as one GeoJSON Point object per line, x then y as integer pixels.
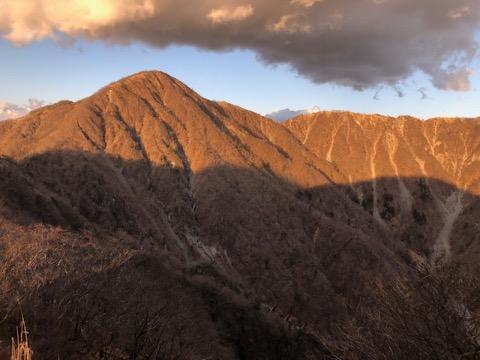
{"type": "Point", "coordinates": [370, 146]}
{"type": "Point", "coordinates": [153, 122]}
{"type": "Point", "coordinates": [153, 117]}
{"type": "Point", "coordinates": [366, 148]}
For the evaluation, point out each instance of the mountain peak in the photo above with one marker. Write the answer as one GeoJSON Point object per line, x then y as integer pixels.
{"type": "Point", "coordinates": [152, 84]}
{"type": "Point", "coordinates": [147, 75]}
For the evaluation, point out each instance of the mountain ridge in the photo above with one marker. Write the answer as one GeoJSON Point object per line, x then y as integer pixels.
{"type": "Point", "coordinates": [241, 210]}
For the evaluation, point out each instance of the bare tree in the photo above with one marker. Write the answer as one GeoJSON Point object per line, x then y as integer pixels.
{"type": "Point", "coordinates": [433, 313]}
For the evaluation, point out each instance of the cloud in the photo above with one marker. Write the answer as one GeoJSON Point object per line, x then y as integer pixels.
{"type": "Point", "coordinates": [423, 93]}
{"type": "Point", "coordinates": [356, 43]}
{"type": "Point", "coordinates": [28, 20]}
{"type": "Point", "coordinates": [459, 12]}
{"type": "Point", "coordinates": [12, 111]}
{"type": "Point", "coordinates": [306, 3]}
{"type": "Point", "coordinates": [223, 15]}
{"type": "Point", "coordinates": [290, 24]}
{"type": "Point", "coordinates": [454, 78]}
{"type": "Point", "coordinates": [285, 114]}
{"type": "Point", "coordinates": [400, 93]}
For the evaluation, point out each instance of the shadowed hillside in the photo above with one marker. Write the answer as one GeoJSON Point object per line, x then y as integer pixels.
{"type": "Point", "coordinates": [148, 222]}
{"type": "Point", "coordinates": [77, 225]}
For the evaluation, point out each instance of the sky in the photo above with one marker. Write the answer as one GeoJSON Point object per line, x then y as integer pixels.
{"type": "Point", "coordinates": [275, 57]}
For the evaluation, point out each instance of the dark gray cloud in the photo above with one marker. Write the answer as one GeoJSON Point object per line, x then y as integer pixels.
{"type": "Point", "coordinates": [423, 93]}
{"type": "Point", "coordinates": [356, 43]}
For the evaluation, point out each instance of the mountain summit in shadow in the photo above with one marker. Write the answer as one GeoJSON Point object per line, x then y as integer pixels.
{"type": "Point", "coordinates": [148, 222]}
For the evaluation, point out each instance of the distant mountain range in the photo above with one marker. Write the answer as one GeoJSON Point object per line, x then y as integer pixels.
{"type": "Point", "coordinates": [148, 222]}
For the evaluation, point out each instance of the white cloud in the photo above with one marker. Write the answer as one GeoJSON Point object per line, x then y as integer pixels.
{"type": "Point", "coordinates": [356, 43]}
{"type": "Point", "coordinates": [28, 20]}
{"type": "Point", "coordinates": [285, 114]}
{"type": "Point", "coordinates": [12, 111]}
